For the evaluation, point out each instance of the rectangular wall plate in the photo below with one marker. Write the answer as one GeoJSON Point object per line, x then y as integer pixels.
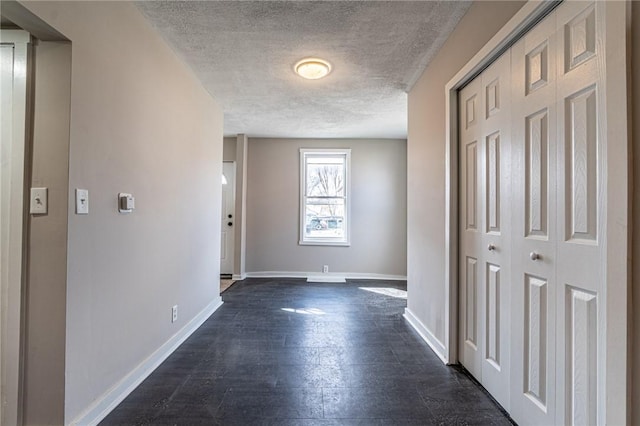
{"type": "Point", "coordinates": [82, 201]}
{"type": "Point", "coordinates": [39, 202]}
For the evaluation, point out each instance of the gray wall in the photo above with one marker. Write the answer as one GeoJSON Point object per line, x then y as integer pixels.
{"type": "Point", "coordinates": [45, 316]}
{"type": "Point", "coordinates": [378, 208]}
{"type": "Point", "coordinates": [426, 160]}
{"type": "Point", "coordinates": [229, 149]}
{"type": "Point", "coordinates": [140, 123]}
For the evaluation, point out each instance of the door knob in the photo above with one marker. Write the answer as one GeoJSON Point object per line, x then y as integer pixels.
{"type": "Point", "coordinates": [535, 256]}
{"type": "Point", "coordinates": [230, 216]}
{"type": "Point", "coordinates": [230, 223]}
{"type": "Point", "coordinates": [491, 247]}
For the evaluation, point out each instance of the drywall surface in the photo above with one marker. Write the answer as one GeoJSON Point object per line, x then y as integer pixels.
{"type": "Point", "coordinates": [426, 160]}
{"type": "Point", "coordinates": [45, 313]}
{"type": "Point", "coordinates": [140, 123]}
{"type": "Point", "coordinates": [378, 208]}
{"type": "Point", "coordinates": [229, 149]}
{"type": "Point", "coordinates": [240, 243]}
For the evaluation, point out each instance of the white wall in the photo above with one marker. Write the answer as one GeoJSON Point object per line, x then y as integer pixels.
{"type": "Point", "coordinates": [426, 161]}
{"type": "Point", "coordinates": [140, 123]}
{"type": "Point", "coordinates": [378, 208]}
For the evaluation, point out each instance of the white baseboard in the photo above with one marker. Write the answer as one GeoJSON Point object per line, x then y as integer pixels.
{"type": "Point", "coordinates": [114, 396]}
{"type": "Point", "coordinates": [359, 276]}
{"type": "Point", "coordinates": [277, 274]}
{"type": "Point", "coordinates": [433, 342]}
{"type": "Point", "coordinates": [238, 277]}
{"type": "Point", "coordinates": [347, 275]}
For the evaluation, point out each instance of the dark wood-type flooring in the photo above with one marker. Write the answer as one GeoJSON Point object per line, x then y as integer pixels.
{"type": "Point", "coordinates": [286, 352]}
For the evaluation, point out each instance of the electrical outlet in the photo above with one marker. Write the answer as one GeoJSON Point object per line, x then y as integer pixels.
{"type": "Point", "coordinates": [174, 313]}
{"type": "Point", "coordinates": [325, 269]}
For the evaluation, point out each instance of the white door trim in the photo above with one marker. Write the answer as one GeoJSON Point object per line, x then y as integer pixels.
{"type": "Point", "coordinates": [230, 250]}
{"type": "Point", "coordinates": [615, 247]}
{"type": "Point", "coordinates": [616, 409]}
{"type": "Point", "coordinates": [13, 235]}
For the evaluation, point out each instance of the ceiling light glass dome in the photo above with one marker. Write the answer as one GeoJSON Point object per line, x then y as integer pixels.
{"type": "Point", "coordinates": [312, 68]}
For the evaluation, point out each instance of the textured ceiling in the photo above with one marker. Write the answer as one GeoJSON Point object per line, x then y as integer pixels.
{"type": "Point", "coordinates": [244, 52]}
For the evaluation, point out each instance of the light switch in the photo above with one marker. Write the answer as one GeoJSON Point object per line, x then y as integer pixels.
{"type": "Point", "coordinates": [38, 201]}
{"type": "Point", "coordinates": [82, 201]}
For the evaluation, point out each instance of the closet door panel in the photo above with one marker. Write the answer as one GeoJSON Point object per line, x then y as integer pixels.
{"type": "Point", "coordinates": [581, 199]}
{"type": "Point", "coordinates": [534, 226]}
{"type": "Point", "coordinates": [471, 202]}
{"type": "Point", "coordinates": [496, 237]}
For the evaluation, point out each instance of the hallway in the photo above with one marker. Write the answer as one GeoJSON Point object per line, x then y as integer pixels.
{"type": "Point", "coordinates": [287, 352]}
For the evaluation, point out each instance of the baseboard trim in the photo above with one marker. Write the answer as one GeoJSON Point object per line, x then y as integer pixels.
{"type": "Point", "coordinates": [347, 275]}
{"type": "Point", "coordinates": [434, 343]}
{"type": "Point", "coordinates": [238, 277]}
{"type": "Point", "coordinates": [114, 396]}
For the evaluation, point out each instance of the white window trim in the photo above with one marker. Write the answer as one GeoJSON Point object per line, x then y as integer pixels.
{"type": "Point", "coordinates": [347, 196]}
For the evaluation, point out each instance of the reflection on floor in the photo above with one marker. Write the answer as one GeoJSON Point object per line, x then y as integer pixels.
{"type": "Point", "coordinates": [286, 352]}
{"type": "Point", "coordinates": [225, 284]}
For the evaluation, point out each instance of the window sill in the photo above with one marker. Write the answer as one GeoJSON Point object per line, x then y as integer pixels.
{"type": "Point", "coordinates": [325, 243]}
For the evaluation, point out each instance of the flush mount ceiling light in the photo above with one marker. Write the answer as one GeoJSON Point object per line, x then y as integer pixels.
{"type": "Point", "coordinates": [312, 68]}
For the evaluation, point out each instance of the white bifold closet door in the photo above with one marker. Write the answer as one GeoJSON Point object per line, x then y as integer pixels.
{"type": "Point", "coordinates": [535, 227]}
{"type": "Point", "coordinates": [485, 168]}
{"type": "Point", "coordinates": [532, 153]}
{"type": "Point", "coordinates": [558, 269]}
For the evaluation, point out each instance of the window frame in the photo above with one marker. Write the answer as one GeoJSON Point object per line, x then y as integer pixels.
{"type": "Point", "coordinates": [320, 241]}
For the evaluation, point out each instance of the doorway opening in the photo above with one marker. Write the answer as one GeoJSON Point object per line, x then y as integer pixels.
{"type": "Point", "coordinates": [227, 225]}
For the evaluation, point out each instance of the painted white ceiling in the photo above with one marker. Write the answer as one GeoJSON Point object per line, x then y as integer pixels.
{"type": "Point", "coordinates": [244, 52]}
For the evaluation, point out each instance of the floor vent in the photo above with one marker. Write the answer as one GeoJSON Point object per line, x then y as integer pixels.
{"type": "Point", "coordinates": [326, 279]}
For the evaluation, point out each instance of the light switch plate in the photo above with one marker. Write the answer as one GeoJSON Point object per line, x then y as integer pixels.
{"type": "Point", "coordinates": [38, 204]}
{"type": "Point", "coordinates": [82, 201]}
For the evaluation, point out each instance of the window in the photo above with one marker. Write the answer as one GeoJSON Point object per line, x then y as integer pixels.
{"type": "Point", "coordinates": [324, 192]}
